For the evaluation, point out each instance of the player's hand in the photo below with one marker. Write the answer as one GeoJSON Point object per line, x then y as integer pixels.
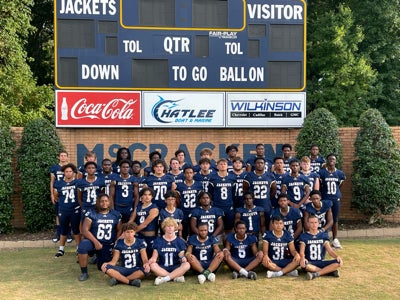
{"type": "Point", "coordinates": [339, 260]}
{"type": "Point", "coordinates": [303, 262]}
{"type": "Point", "coordinates": [104, 267]}
{"type": "Point", "coordinates": [296, 258]}
{"type": "Point", "coordinates": [146, 267]}
{"type": "Point", "coordinates": [98, 245]}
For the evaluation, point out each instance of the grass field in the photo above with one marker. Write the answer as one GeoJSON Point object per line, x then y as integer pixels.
{"type": "Point", "coordinates": [371, 271]}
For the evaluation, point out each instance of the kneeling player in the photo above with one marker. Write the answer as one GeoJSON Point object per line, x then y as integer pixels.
{"type": "Point", "coordinates": [275, 245]}
{"type": "Point", "coordinates": [134, 262]}
{"type": "Point", "coordinates": [204, 254]}
{"type": "Point", "coordinates": [313, 246]}
{"type": "Point", "coordinates": [241, 253]}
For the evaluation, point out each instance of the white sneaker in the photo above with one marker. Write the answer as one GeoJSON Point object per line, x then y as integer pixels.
{"type": "Point", "coordinates": [180, 279]}
{"type": "Point", "coordinates": [201, 278]}
{"type": "Point", "coordinates": [159, 280]}
{"type": "Point", "coordinates": [270, 274]}
{"type": "Point", "coordinates": [294, 273]}
{"type": "Point", "coordinates": [211, 277]}
{"type": "Point", "coordinates": [336, 244]}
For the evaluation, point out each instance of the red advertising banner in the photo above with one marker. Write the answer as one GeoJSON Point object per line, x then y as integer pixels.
{"type": "Point", "coordinates": [98, 109]}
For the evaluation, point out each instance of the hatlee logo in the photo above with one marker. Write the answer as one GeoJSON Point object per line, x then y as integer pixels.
{"type": "Point", "coordinates": [168, 111]}
{"type": "Point", "coordinates": [119, 109]}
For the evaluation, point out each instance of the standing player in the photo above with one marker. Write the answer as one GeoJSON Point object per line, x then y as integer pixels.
{"type": "Point", "coordinates": [279, 172]}
{"type": "Point", "coordinates": [204, 173]}
{"type": "Point", "coordinates": [321, 209]}
{"type": "Point", "coordinates": [276, 243]}
{"type": "Point", "coordinates": [137, 173]}
{"type": "Point", "coordinates": [153, 156]}
{"type": "Point", "coordinates": [206, 153]}
{"type": "Point", "coordinates": [122, 191]}
{"type": "Point", "coordinates": [331, 181]}
{"type": "Point", "coordinates": [123, 153]}
{"type": "Point", "coordinates": [204, 254]}
{"type": "Point", "coordinates": [168, 261]}
{"type": "Point", "coordinates": [222, 189]}
{"type": "Point", "coordinates": [313, 177]}
{"type": "Point", "coordinates": [56, 174]}
{"type": "Point", "coordinates": [252, 215]}
{"type": "Point", "coordinates": [134, 262]}
{"type": "Point", "coordinates": [175, 170]}
{"type": "Point", "coordinates": [317, 161]}
{"type": "Point", "coordinates": [188, 191]}
{"type": "Point", "coordinates": [171, 211]}
{"type": "Point", "coordinates": [260, 152]}
{"type": "Point", "coordinates": [231, 151]}
{"type": "Point", "coordinates": [313, 246]}
{"type": "Point", "coordinates": [210, 215]}
{"type": "Point", "coordinates": [100, 229]}
{"type": "Point", "coordinates": [241, 252]}
{"type": "Point", "coordinates": [287, 157]}
{"type": "Point", "coordinates": [160, 182]}
{"type": "Point", "coordinates": [240, 174]}
{"type": "Point", "coordinates": [296, 186]}
{"type": "Point", "coordinates": [66, 194]}
{"type": "Point", "coordinates": [107, 174]}
{"type": "Point", "coordinates": [262, 185]}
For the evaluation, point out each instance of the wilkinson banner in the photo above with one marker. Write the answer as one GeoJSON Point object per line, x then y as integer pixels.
{"type": "Point", "coordinates": [98, 109]}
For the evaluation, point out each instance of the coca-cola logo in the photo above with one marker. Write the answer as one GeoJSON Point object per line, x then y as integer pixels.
{"type": "Point", "coordinates": [115, 109]}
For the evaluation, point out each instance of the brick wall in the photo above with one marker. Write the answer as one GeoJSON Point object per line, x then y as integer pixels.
{"type": "Point", "coordinates": [111, 138]}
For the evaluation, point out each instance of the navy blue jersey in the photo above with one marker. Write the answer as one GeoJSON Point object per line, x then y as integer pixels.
{"type": "Point", "coordinates": [204, 179]}
{"type": "Point", "coordinates": [277, 246]}
{"type": "Point", "coordinates": [330, 184]}
{"type": "Point", "coordinates": [286, 164]}
{"type": "Point", "coordinates": [177, 214]}
{"type": "Point", "coordinates": [107, 181]}
{"type": "Point", "coordinates": [204, 251]}
{"type": "Point", "coordinates": [124, 188]}
{"type": "Point", "coordinates": [238, 200]}
{"type": "Point", "coordinates": [56, 171]}
{"type": "Point", "coordinates": [222, 189]}
{"type": "Point", "coordinates": [82, 170]}
{"type": "Point", "coordinates": [260, 186]}
{"type": "Point", "coordinates": [316, 164]}
{"type": "Point", "coordinates": [315, 249]}
{"type": "Point", "coordinates": [278, 183]}
{"type": "Point", "coordinates": [143, 213]}
{"type": "Point", "coordinates": [209, 217]}
{"type": "Point", "coordinates": [67, 194]}
{"type": "Point", "coordinates": [168, 252]}
{"type": "Point", "coordinates": [90, 190]}
{"type": "Point", "coordinates": [160, 185]}
{"type": "Point", "coordinates": [104, 226]}
{"type": "Point", "coordinates": [268, 163]}
{"type": "Point", "coordinates": [291, 220]}
{"type": "Point", "coordinates": [188, 195]}
{"type": "Point", "coordinates": [312, 178]}
{"type": "Point", "coordinates": [130, 255]}
{"type": "Point", "coordinates": [321, 213]}
{"type": "Point", "coordinates": [141, 181]}
{"type": "Point", "coordinates": [295, 187]}
{"type": "Point", "coordinates": [241, 249]}
{"type": "Point", "coordinates": [178, 178]}
{"type": "Point", "coordinates": [213, 167]}
{"type": "Point", "coordinates": [252, 217]}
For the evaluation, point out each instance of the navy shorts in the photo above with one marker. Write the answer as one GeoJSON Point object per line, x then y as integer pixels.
{"type": "Point", "coordinates": [125, 271]}
{"type": "Point", "coordinates": [322, 263]}
{"type": "Point", "coordinates": [67, 218]}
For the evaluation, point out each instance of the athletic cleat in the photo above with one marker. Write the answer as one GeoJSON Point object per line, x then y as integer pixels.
{"type": "Point", "coordinates": [159, 280]}
{"type": "Point", "coordinates": [201, 278]}
{"type": "Point", "coordinates": [55, 239]}
{"type": "Point", "coordinates": [83, 277]}
{"type": "Point", "coordinates": [211, 277]}
{"type": "Point", "coordinates": [113, 281]}
{"type": "Point", "coordinates": [235, 275]}
{"type": "Point", "coordinates": [270, 274]}
{"type": "Point", "coordinates": [135, 282]}
{"type": "Point", "coordinates": [336, 244]}
{"type": "Point", "coordinates": [69, 239]}
{"type": "Point", "coordinates": [252, 275]}
{"type": "Point", "coordinates": [294, 273]}
{"type": "Point", "coordinates": [59, 253]}
{"type": "Point", "coordinates": [335, 273]}
{"type": "Point", "coordinates": [179, 279]}
{"type": "Point", "coordinates": [310, 276]}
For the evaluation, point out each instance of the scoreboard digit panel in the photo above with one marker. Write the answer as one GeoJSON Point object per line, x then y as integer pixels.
{"type": "Point", "coordinates": [229, 45]}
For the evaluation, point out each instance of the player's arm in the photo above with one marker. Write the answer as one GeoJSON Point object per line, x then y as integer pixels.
{"type": "Point", "coordinates": [306, 214]}
{"type": "Point", "coordinates": [227, 249]}
{"type": "Point", "coordinates": [153, 213]}
{"type": "Point", "coordinates": [154, 257]}
{"type": "Point", "coordinates": [262, 222]}
{"type": "Point", "coordinates": [52, 179]}
{"type": "Point", "coordinates": [220, 227]}
{"type": "Point", "coordinates": [119, 230]}
{"type": "Point", "coordinates": [303, 260]}
{"type": "Point", "coordinates": [329, 220]}
{"type": "Point", "coordinates": [193, 225]}
{"type": "Point", "coordinates": [145, 260]}
{"type": "Point", "coordinates": [246, 186]}
{"type": "Point", "coordinates": [55, 194]}
{"type": "Point", "coordinates": [256, 252]}
{"type": "Point", "coordinates": [180, 228]}
{"type": "Point", "coordinates": [112, 262]}
{"type": "Point", "coordinates": [295, 254]}
{"type": "Point", "coordinates": [316, 184]}
{"type": "Point", "coordinates": [112, 193]}
{"type": "Point", "coordinates": [266, 260]}
{"type": "Point", "coordinates": [173, 186]}
{"type": "Point", "coordinates": [272, 192]}
{"type": "Point", "coordinates": [284, 190]}
{"type": "Point", "coordinates": [237, 217]}
{"type": "Point", "coordinates": [333, 253]}
{"type": "Point", "coordinates": [87, 223]}
{"type": "Point", "coordinates": [135, 194]}
{"type": "Point", "coordinates": [299, 229]}
{"type": "Point", "coordinates": [248, 167]}
{"type": "Point", "coordinates": [305, 197]}
{"type": "Point", "coordinates": [80, 196]}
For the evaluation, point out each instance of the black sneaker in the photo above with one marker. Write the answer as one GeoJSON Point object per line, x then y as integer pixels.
{"type": "Point", "coordinates": [135, 282]}
{"type": "Point", "coordinates": [113, 281]}
{"type": "Point", "coordinates": [59, 253]}
{"type": "Point", "coordinates": [252, 275]}
{"type": "Point", "coordinates": [83, 276]}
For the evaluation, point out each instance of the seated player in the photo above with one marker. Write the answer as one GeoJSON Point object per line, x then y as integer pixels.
{"type": "Point", "coordinates": [168, 261]}
{"type": "Point", "coordinates": [276, 243]}
{"type": "Point", "coordinates": [313, 246]}
{"type": "Point", "coordinates": [204, 254]}
{"type": "Point", "coordinates": [241, 253]}
{"type": "Point", "coordinates": [134, 262]}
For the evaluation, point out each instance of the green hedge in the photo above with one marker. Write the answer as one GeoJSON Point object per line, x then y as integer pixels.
{"type": "Point", "coordinates": [40, 146]}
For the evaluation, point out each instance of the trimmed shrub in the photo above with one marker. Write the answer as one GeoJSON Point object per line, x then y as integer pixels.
{"type": "Point", "coordinates": [376, 176]}
{"type": "Point", "coordinates": [40, 146]}
{"type": "Point", "coordinates": [7, 146]}
{"type": "Point", "coordinates": [320, 128]}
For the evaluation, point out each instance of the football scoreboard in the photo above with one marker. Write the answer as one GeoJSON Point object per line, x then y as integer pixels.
{"type": "Point", "coordinates": [252, 47]}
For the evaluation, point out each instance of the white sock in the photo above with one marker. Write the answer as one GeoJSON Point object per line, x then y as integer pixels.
{"type": "Point", "coordinates": [243, 272]}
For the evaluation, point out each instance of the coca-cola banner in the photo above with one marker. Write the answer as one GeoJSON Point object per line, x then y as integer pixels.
{"type": "Point", "coordinates": [98, 109]}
